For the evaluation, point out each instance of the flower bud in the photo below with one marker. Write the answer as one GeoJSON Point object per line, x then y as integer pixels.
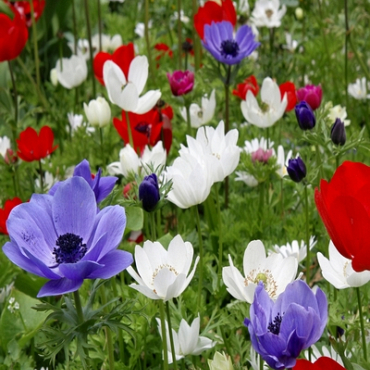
{"type": "Point", "coordinates": [298, 13]}
{"type": "Point", "coordinates": [338, 132]}
{"type": "Point", "coordinates": [296, 169]}
{"type": "Point", "coordinates": [311, 94]}
{"type": "Point", "coordinates": [305, 116]}
{"type": "Point", "coordinates": [98, 112]}
{"type": "Point", "coordinates": [149, 192]}
{"type": "Point", "coordinates": [181, 82]}
{"type": "Point", "coordinates": [54, 77]}
{"type": "Point", "coordinates": [220, 362]}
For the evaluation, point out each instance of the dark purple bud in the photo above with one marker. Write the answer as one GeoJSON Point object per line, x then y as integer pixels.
{"type": "Point", "coordinates": [149, 192]}
{"type": "Point", "coordinates": [296, 169]}
{"type": "Point", "coordinates": [338, 132]}
{"type": "Point", "coordinates": [305, 116]}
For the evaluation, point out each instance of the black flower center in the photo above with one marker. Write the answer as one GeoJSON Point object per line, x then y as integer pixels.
{"type": "Point", "coordinates": [274, 326]}
{"type": "Point", "coordinates": [229, 48]}
{"type": "Point", "coordinates": [70, 249]}
{"type": "Point", "coordinates": [143, 128]}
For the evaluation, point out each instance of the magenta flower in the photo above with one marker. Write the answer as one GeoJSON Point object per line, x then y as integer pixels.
{"type": "Point", "coordinates": [181, 82]}
{"type": "Point", "coordinates": [311, 94]}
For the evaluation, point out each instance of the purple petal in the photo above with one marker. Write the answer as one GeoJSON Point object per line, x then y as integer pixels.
{"type": "Point", "coordinates": [83, 170]}
{"type": "Point", "coordinates": [114, 262]}
{"type": "Point", "coordinates": [74, 208]}
{"type": "Point", "coordinates": [106, 185]}
{"type": "Point", "coordinates": [322, 304]}
{"type": "Point", "coordinates": [12, 251]}
{"type": "Point", "coordinates": [45, 270]}
{"type": "Point", "coordinates": [112, 221]}
{"type": "Point", "coordinates": [94, 252]}
{"type": "Point", "coordinates": [31, 227]}
{"type": "Point", "coordinates": [80, 270]}
{"type": "Point", "coordinates": [59, 287]}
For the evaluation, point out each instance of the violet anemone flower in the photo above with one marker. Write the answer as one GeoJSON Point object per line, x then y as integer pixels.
{"type": "Point", "coordinates": [280, 331]}
{"type": "Point", "coordinates": [63, 238]}
{"type": "Point", "coordinates": [102, 186]}
{"type": "Point", "coordinates": [219, 40]}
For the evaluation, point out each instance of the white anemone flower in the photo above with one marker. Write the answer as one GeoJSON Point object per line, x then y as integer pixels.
{"type": "Point", "coordinates": [154, 158]}
{"type": "Point", "coordinates": [108, 43]}
{"type": "Point", "coordinates": [274, 106]}
{"type": "Point", "coordinates": [247, 178]}
{"type": "Point", "coordinates": [282, 162]}
{"type": "Point", "coordinates": [82, 48]}
{"type": "Point", "coordinates": [98, 112]}
{"type": "Point", "coordinates": [4, 145]}
{"type": "Point", "coordinates": [191, 180]}
{"type": "Point", "coordinates": [71, 72]}
{"type": "Point", "coordinates": [219, 151]}
{"type": "Point", "coordinates": [266, 13]}
{"type": "Point", "coordinates": [327, 352]}
{"type": "Point", "coordinates": [163, 274]}
{"type": "Point", "coordinates": [338, 271]}
{"type": "Point", "coordinates": [291, 44]}
{"type": "Point", "coordinates": [220, 362]}
{"type": "Point", "coordinates": [275, 271]}
{"type": "Point", "coordinates": [187, 341]}
{"type": "Point", "coordinates": [338, 112]}
{"type": "Point", "coordinates": [359, 89]}
{"type": "Point", "coordinates": [201, 115]}
{"type": "Point", "coordinates": [295, 249]}
{"type": "Point", "coordinates": [126, 93]}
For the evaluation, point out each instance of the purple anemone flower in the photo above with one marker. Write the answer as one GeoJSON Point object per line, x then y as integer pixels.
{"type": "Point", "coordinates": [63, 238]}
{"type": "Point", "coordinates": [102, 186]}
{"type": "Point", "coordinates": [219, 40]}
{"type": "Point", "coordinates": [280, 331]}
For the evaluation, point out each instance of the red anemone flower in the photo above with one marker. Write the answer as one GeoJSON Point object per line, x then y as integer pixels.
{"type": "Point", "coordinates": [250, 83]}
{"type": "Point", "coordinates": [123, 57]}
{"type": "Point", "coordinates": [4, 213]}
{"type": "Point", "coordinates": [33, 146]}
{"type": "Point", "coordinates": [213, 12]}
{"type": "Point", "coordinates": [13, 36]}
{"type": "Point", "coordinates": [288, 88]}
{"type": "Point", "coordinates": [24, 9]}
{"type": "Point", "coordinates": [344, 207]}
{"type": "Point", "coordinates": [147, 128]}
{"type": "Point", "coordinates": [322, 363]}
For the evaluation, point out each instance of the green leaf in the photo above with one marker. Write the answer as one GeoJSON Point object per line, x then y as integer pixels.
{"type": "Point", "coordinates": [135, 218]}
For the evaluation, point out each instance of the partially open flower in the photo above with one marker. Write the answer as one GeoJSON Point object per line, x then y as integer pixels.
{"type": "Point", "coordinates": [296, 169]}
{"type": "Point", "coordinates": [181, 82]}
{"type": "Point", "coordinates": [338, 133]}
{"type": "Point", "coordinates": [71, 72]}
{"type": "Point", "coordinates": [98, 112]}
{"type": "Point", "coordinates": [149, 192]}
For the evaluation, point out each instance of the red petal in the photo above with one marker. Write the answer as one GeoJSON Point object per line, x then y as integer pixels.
{"type": "Point", "coordinates": [123, 57]}
{"type": "Point", "coordinates": [98, 65]}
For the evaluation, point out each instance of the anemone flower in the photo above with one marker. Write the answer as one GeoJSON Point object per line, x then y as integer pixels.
{"type": "Point", "coordinates": [187, 341]}
{"type": "Point", "coordinates": [219, 40]}
{"type": "Point", "coordinates": [163, 274]}
{"type": "Point", "coordinates": [64, 239]}
{"type": "Point", "coordinates": [125, 92]}
{"type": "Point", "coordinates": [274, 105]}
{"type": "Point", "coordinates": [275, 271]}
{"type": "Point", "coordinates": [280, 330]}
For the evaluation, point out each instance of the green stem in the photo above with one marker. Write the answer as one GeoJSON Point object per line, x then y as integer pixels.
{"type": "Point", "coordinates": [35, 46]}
{"type": "Point", "coordinates": [282, 197]}
{"type": "Point", "coordinates": [88, 26]}
{"type": "Point", "coordinates": [363, 334]}
{"type": "Point", "coordinates": [101, 144]}
{"type": "Point", "coordinates": [15, 102]}
{"type": "Point", "coordinates": [78, 304]}
{"type": "Point", "coordinates": [108, 333]}
{"type": "Point", "coordinates": [152, 225]}
{"type": "Point", "coordinates": [196, 41]}
{"type": "Point", "coordinates": [346, 50]}
{"type": "Point", "coordinates": [227, 125]}
{"type": "Point", "coordinates": [74, 26]}
{"type": "Point", "coordinates": [164, 335]}
{"type": "Point", "coordinates": [200, 240]}
{"type": "Point", "coordinates": [41, 177]}
{"type": "Point", "coordinates": [147, 40]}
{"type": "Point", "coordinates": [130, 138]}
{"type": "Point", "coordinates": [272, 51]}
{"type": "Point", "coordinates": [308, 256]}
{"type": "Point", "coordinates": [261, 362]}
{"type": "Point", "coordinates": [188, 121]}
{"type": "Point", "coordinates": [171, 336]}
{"type": "Point", "coordinates": [179, 36]}
{"type": "Point", "coordinates": [220, 246]}
{"type": "Point", "coordinates": [99, 25]}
